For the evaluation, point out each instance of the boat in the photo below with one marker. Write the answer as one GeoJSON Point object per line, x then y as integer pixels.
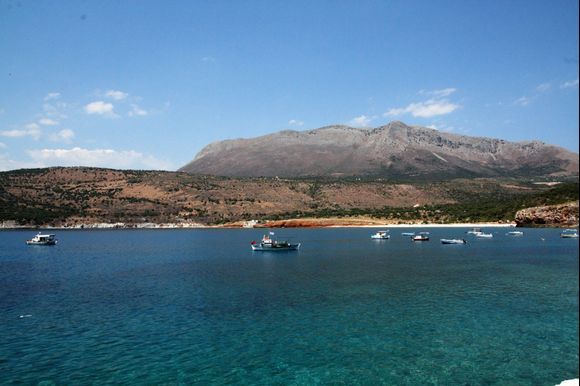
{"type": "Point", "coordinates": [269, 244]}
{"type": "Point", "coordinates": [381, 235]}
{"type": "Point", "coordinates": [453, 241]}
{"type": "Point", "coordinates": [40, 239]}
{"type": "Point", "coordinates": [515, 233]}
{"type": "Point", "coordinates": [408, 234]}
{"type": "Point", "coordinates": [421, 236]}
{"type": "Point", "coordinates": [569, 234]}
{"type": "Point", "coordinates": [484, 235]}
{"type": "Point", "coordinates": [474, 231]}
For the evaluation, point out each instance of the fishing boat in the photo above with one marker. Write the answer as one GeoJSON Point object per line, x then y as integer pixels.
{"type": "Point", "coordinates": [269, 244]}
{"type": "Point", "coordinates": [421, 236]}
{"type": "Point", "coordinates": [569, 234]}
{"type": "Point", "coordinates": [381, 235]}
{"type": "Point", "coordinates": [482, 235]}
{"type": "Point", "coordinates": [40, 239]}
{"type": "Point", "coordinates": [453, 241]}
{"type": "Point", "coordinates": [515, 233]}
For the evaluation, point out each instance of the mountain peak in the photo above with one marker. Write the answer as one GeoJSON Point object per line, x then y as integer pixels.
{"type": "Point", "coordinates": [395, 150]}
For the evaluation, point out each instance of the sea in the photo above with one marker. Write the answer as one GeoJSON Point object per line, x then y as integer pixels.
{"type": "Point", "coordinates": [199, 307]}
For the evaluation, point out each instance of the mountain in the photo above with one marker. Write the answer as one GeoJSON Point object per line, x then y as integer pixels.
{"type": "Point", "coordinates": [395, 151]}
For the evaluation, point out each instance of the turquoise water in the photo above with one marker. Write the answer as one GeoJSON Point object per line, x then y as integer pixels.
{"type": "Point", "coordinates": [199, 307]}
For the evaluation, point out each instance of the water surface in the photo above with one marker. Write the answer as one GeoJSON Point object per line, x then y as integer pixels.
{"type": "Point", "coordinates": [199, 307]}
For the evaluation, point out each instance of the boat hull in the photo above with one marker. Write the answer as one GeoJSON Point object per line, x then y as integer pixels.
{"type": "Point", "coordinates": [30, 242]}
{"type": "Point", "coordinates": [275, 248]}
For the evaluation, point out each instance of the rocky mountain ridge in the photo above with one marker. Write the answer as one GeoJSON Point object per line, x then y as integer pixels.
{"type": "Point", "coordinates": [395, 151]}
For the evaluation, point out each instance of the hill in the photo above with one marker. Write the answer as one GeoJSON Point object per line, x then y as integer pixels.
{"type": "Point", "coordinates": [74, 196]}
{"type": "Point", "coordinates": [395, 151]}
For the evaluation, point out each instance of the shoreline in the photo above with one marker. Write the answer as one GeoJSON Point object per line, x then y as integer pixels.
{"type": "Point", "coordinates": [301, 224]}
{"type": "Point", "coordinates": [290, 223]}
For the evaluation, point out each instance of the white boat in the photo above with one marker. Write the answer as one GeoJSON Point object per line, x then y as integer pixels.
{"type": "Point", "coordinates": [421, 236]}
{"type": "Point", "coordinates": [40, 239]}
{"type": "Point", "coordinates": [484, 235]}
{"type": "Point", "coordinates": [269, 244]}
{"type": "Point", "coordinates": [453, 241]}
{"type": "Point", "coordinates": [474, 231]}
{"type": "Point", "coordinates": [408, 234]}
{"type": "Point", "coordinates": [569, 234]}
{"type": "Point", "coordinates": [515, 233]}
{"type": "Point", "coordinates": [381, 235]}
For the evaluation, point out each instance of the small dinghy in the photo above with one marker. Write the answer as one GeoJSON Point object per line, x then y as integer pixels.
{"type": "Point", "coordinates": [453, 241]}
{"type": "Point", "coordinates": [381, 235]}
{"type": "Point", "coordinates": [421, 236]}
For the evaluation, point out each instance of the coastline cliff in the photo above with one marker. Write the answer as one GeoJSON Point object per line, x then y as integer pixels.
{"type": "Point", "coordinates": [562, 215]}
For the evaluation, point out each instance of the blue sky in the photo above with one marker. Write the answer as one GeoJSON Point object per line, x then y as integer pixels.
{"type": "Point", "coordinates": [147, 84]}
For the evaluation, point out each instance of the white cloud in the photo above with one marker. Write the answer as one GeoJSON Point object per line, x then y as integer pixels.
{"type": "Point", "coordinates": [52, 96]}
{"type": "Point", "coordinates": [295, 122]}
{"type": "Point", "coordinates": [439, 93]}
{"type": "Point", "coordinates": [126, 159]}
{"type": "Point", "coordinates": [116, 95]}
{"type": "Point", "coordinates": [100, 108]}
{"type": "Point", "coordinates": [8, 164]}
{"type": "Point", "coordinates": [137, 111]}
{"type": "Point", "coordinates": [30, 130]}
{"type": "Point", "coordinates": [544, 87]}
{"type": "Point", "coordinates": [427, 109]}
{"type": "Point", "coordinates": [523, 101]}
{"type": "Point", "coordinates": [361, 121]}
{"type": "Point", "coordinates": [569, 83]}
{"type": "Point", "coordinates": [55, 109]}
{"type": "Point", "coordinates": [64, 135]}
{"type": "Point", "coordinates": [47, 122]}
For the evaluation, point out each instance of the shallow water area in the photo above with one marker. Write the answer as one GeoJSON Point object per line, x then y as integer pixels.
{"type": "Point", "coordinates": [198, 306]}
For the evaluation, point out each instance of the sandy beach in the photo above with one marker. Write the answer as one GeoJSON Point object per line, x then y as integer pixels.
{"type": "Point", "coordinates": [367, 223]}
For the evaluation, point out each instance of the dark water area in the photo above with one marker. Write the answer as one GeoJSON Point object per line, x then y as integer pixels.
{"type": "Point", "coordinates": [199, 307]}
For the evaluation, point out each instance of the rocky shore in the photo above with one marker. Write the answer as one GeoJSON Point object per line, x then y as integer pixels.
{"type": "Point", "coordinates": [563, 215]}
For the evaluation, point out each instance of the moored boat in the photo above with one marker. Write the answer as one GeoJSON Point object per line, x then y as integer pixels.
{"type": "Point", "coordinates": [381, 235]}
{"type": "Point", "coordinates": [269, 244]}
{"type": "Point", "coordinates": [453, 241]}
{"type": "Point", "coordinates": [482, 235]}
{"type": "Point", "coordinates": [569, 234]}
{"type": "Point", "coordinates": [421, 236]}
{"type": "Point", "coordinates": [474, 231]}
{"type": "Point", "coordinates": [42, 239]}
{"type": "Point", "coordinates": [515, 233]}
{"type": "Point", "coordinates": [408, 234]}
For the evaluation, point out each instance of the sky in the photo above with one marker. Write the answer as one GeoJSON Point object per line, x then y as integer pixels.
{"type": "Point", "coordinates": [138, 84]}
